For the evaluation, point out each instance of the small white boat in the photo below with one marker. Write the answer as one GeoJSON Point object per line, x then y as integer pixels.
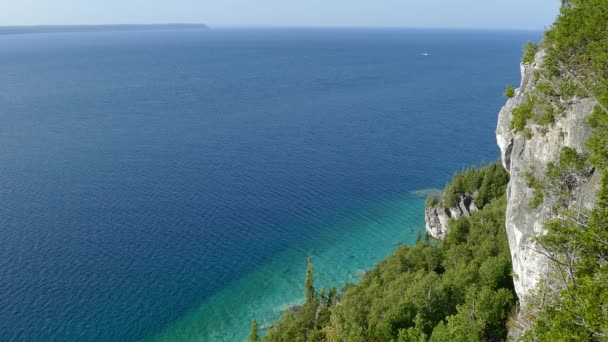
{"type": "Point", "coordinates": [424, 54]}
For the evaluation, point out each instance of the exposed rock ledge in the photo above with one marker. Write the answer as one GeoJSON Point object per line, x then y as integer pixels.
{"type": "Point", "coordinates": [437, 217]}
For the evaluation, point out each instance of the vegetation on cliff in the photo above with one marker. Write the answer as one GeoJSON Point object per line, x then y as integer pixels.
{"type": "Point", "coordinates": [459, 289]}
{"type": "Point", "coordinates": [571, 304]}
{"type": "Point", "coordinates": [509, 91]}
{"type": "Point", "coordinates": [482, 184]}
{"type": "Point", "coordinates": [563, 309]}
{"type": "Point", "coordinates": [574, 65]}
{"type": "Point", "coordinates": [530, 50]}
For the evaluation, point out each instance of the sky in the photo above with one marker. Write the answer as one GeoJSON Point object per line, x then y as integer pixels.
{"type": "Point", "coordinates": [489, 14]}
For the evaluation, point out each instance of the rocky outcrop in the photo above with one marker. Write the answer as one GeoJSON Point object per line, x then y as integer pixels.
{"type": "Point", "coordinates": [438, 216]}
{"type": "Point", "coordinates": [520, 155]}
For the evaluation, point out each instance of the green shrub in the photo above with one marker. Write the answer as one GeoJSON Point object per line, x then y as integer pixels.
{"type": "Point", "coordinates": [432, 201]}
{"type": "Point", "coordinates": [537, 187]}
{"type": "Point", "coordinates": [546, 118]}
{"type": "Point", "coordinates": [571, 88]}
{"type": "Point", "coordinates": [510, 91]}
{"type": "Point", "coordinates": [522, 114]}
{"type": "Point", "coordinates": [563, 178]}
{"type": "Point", "coordinates": [530, 50]}
{"type": "Point", "coordinates": [545, 88]}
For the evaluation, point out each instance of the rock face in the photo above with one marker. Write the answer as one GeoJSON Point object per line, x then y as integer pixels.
{"type": "Point", "coordinates": [519, 156]}
{"type": "Point", "coordinates": [437, 217]}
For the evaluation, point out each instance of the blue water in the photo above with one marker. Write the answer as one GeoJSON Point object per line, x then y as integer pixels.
{"type": "Point", "coordinates": [168, 185]}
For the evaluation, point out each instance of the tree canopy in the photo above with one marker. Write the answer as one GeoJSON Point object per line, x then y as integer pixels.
{"type": "Point", "coordinates": [459, 289]}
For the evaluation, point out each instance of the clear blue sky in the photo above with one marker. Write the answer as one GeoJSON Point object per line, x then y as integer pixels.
{"type": "Point", "coordinates": [523, 14]}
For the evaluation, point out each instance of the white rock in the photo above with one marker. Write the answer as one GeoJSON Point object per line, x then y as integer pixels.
{"type": "Point", "coordinates": [520, 156]}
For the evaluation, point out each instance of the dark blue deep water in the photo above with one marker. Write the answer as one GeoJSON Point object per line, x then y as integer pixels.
{"type": "Point", "coordinates": [143, 173]}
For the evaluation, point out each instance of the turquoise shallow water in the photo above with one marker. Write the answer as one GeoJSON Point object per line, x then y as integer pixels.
{"type": "Point", "coordinates": [340, 255]}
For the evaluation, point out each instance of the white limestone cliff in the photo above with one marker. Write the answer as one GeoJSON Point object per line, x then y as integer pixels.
{"type": "Point", "coordinates": [519, 156]}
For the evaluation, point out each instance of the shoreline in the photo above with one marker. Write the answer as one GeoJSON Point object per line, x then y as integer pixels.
{"type": "Point", "coordinates": [266, 293]}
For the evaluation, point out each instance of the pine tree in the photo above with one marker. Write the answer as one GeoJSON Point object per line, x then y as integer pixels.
{"type": "Point", "coordinates": [331, 298]}
{"type": "Point", "coordinates": [254, 335]}
{"type": "Point", "coordinates": [310, 279]}
{"type": "Point", "coordinates": [323, 297]}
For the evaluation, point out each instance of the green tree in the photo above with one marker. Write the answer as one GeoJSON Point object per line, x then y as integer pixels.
{"type": "Point", "coordinates": [254, 335]}
{"type": "Point", "coordinates": [530, 50]}
{"type": "Point", "coordinates": [432, 201]}
{"type": "Point", "coordinates": [522, 114]}
{"type": "Point", "coordinates": [333, 294]}
{"type": "Point", "coordinates": [309, 289]}
{"type": "Point", "coordinates": [407, 296]}
{"type": "Point", "coordinates": [510, 91]}
{"type": "Point", "coordinates": [323, 297]}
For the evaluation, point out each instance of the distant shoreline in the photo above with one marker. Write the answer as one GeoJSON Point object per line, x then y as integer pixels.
{"type": "Point", "coordinates": [7, 30]}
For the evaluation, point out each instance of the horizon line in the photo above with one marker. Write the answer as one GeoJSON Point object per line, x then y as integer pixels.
{"type": "Point", "coordinates": [273, 26]}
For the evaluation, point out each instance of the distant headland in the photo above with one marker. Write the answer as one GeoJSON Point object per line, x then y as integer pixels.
{"type": "Point", "coordinates": [4, 30]}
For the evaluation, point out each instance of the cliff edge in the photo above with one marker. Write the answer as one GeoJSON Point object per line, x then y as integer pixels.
{"type": "Point", "coordinates": [525, 155]}
{"type": "Point", "coordinates": [469, 191]}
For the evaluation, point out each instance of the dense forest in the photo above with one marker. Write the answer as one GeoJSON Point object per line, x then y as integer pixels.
{"type": "Point", "coordinates": [457, 289]}
{"type": "Point", "coordinates": [461, 289]}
